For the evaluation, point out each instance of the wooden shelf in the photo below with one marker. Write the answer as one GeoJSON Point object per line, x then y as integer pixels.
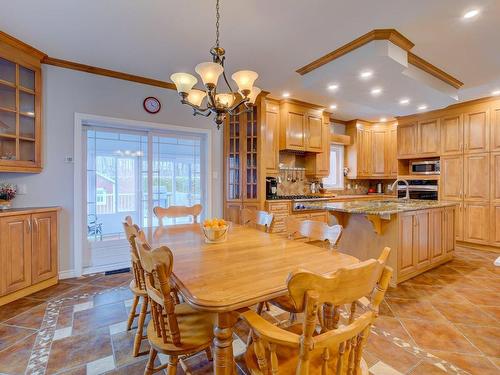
{"type": "Point", "coordinates": [29, 139]}
{"type": "Point", "coordinates": [7, 83]}
{"type": "Point", "coordinates": [26, 90]}
{"type": "Point", "coordinates": [27, 114]}
{"type": "Point", "coordinates": [9, 136]}
{"type": "Point", "coordinates": [5, 109]}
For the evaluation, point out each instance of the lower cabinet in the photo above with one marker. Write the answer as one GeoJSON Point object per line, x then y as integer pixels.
{"type": "Point", "coordinates": [280, 211]}
{"type": "Point", "coordinates": [495, 224]}
{"type": "Point", "coordinates": [28, 252]}
{"type": "Point", "coordinates": [426, 237]}
{"type": "Point", "coordinates": [476, 222]}
{"type": "Point", "coordinates": [315, 216]}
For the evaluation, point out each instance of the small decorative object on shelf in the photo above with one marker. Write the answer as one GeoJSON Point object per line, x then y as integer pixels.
{"type": "Point", "coordinates": [7, 194]}
{"type": "Point", "coordinates": [215, 230]}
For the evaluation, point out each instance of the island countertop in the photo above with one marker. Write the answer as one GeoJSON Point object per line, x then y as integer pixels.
{"type": "Point", "coordinates": [382, 208]}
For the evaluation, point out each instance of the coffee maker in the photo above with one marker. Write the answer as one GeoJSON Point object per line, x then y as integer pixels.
{"type": "Point", "coordinates": [271, 187]}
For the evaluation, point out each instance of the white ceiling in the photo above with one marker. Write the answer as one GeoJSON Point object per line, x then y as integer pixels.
{"type": "Point", "coordinates": [155, 38]}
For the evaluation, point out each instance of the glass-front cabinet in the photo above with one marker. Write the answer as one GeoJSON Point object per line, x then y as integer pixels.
{"type": "Point", "coordinates": [20, 110]}
{"type": "Point", "coordinates": [242, 185]}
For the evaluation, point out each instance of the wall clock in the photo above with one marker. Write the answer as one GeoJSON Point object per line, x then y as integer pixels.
{"type": "Point", "coordinates": [151, 104]}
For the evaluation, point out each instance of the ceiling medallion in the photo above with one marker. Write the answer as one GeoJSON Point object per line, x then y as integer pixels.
{"type": "Point", "coordinates": [222, 103]}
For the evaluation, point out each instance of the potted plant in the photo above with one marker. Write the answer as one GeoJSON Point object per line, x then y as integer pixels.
{"type": "Point", "coordinates": [7, 194]}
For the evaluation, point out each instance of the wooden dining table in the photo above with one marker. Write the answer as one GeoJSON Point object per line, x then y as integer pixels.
{"type": "Point", "coordinates": [250, 267]}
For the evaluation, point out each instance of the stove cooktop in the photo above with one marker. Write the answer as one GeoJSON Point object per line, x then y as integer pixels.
{"type": "Point", "coordinates": [292, 197]}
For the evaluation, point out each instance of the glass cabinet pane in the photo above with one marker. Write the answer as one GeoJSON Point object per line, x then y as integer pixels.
{"type": "Point", "coordinates": [7, 97]}
{"type": "Point", "coordinates": [7, 122]}
{"type": "Point", "coordinates": [26, 126]}
{"type": "Point", "coordinates": [7, 71]}
{"type": "Point", "coordinates": [26, 150]}
{"type": "Point", "coordinates": [7, 149]}
{"type": "Point", "coordinates": [26, 78]}
{"type": "Point", "coordinates": [27, 103]}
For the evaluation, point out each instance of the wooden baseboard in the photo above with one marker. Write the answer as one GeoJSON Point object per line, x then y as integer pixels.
{"type": "Point", "coordinates": [476, 246]}
{"type": "Point", "coordinates": [27, 291]}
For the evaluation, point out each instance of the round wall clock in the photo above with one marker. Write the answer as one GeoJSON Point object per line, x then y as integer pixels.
{"type": "Point", "coordinates": [152, 105]}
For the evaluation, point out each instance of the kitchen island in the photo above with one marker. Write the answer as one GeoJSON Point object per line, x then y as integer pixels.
{"type": "Point", "coordinates": [420, 233]}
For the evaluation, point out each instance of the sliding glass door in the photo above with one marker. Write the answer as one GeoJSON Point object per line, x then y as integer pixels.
{"type": "Point", "coordinates": [128, 173]}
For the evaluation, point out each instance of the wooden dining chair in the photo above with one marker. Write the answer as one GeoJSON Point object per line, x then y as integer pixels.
{"type": "Point", "coordinates": [178, 211]}
{"type": "Point", "coordinates": [138, 283]}
{"type": "Point", "coordinates": [338, 348]}
{"type": "Point", "coordinates": [259, 219]}
{"type": "Point", "coordinates": [313, 232]}
{"type": "Point", "coordinates": [176, 330]}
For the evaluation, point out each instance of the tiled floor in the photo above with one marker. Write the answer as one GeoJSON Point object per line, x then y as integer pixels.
{"type": "Point", "coordinates": [445, 321]}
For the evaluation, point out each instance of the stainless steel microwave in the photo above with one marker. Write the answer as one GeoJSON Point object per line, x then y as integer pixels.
{"type": "Point", "coordinates": [425, 167]}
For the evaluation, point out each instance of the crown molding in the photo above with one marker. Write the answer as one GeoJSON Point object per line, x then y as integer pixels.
{"type": "Point", "coordinates": [20, 45]}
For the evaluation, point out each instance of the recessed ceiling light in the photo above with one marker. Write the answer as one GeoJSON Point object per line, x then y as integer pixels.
{"type": "Point", "coordinates": [404, 101]}
{"type": "Point", "coordinates": [470, 14]}
{"type": "Point", "coordinates": [333, 87]}
{"type": "Point", "coordinates": [495, 93]}
{"type": "Point", "coordinates": [376, 91]}
{"type": "Point", "coordinates": [422, 107]}
{"type": "Point", "coordinates": [383, 119]}
{"type": "Point", "coordinates": [333, 106]}
{"type": "Point", "coordinates": [366, 74]}
{"type": "Point", "coordinates": [286, 94]}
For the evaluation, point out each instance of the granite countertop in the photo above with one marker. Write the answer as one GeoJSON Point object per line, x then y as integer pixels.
{"type": "Point", "coordinates": [385, 207]}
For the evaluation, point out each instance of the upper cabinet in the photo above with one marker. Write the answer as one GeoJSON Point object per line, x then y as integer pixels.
{"type": "Point", "coordinates": [428, 137]}
{"type": "Point", "coordinates": [20, 107]}
{"type": "Point", "coordinates": [452, 134]}
{"type": "Point", "coordinates": [372, 152]}
{"type": "Point", "coordinates": [270, 134]}
{"type": "Point", "coordinates": [318, 164]}
{"type": "Point", "coordinates": [477, 131]}
{"type": "Point", "coordinates": [301, 128]}
{"type": "Point", "coordinates": [495, 127]}
{"type": "Point", "coordinates": [407, 140]}
{"type": "Point", "coordinates": [419, 139]}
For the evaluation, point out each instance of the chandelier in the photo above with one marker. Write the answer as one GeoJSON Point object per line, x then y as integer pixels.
{"type": "Point", "coordinates": [219, 103]}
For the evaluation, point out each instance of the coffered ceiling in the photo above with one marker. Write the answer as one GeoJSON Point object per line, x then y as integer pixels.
{"type": "Point", "coordinates": [155, 38]}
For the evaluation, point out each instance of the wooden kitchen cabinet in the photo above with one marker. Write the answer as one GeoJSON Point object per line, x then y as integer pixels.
{"type": "Point", "coordinates": [407, 262]}
{"type": "Point", "coordinates": [280, 210]}
{"type": "Point", "coordinates": [449, 227]}
{"type": "Point", "coordinates": [15, 250]}
{"type": "Point", "coordinates": [437, 234]}
{"type": "Point", "coordinates": [459, 222]}
{"type": "Point", "coordinates": [407, 140]}
{"type": "Point", "coordinates": [495, 224]}
{"type": "Point", "coordinates": [270, 135]}
{"type": "Point", "coordinates": [495, 177]}
{"type": "Point", "coordinates": [373, 150]}
{"type": "Point", "coordinates": [301, 126]}
{"type": "Point", "coordinates": [319, 216]}
{"type": "Point", "coordinates": [476, 222]}
{"type": "Point", "coordinates": [318, 164]}
{"type": "Point", "coordinates": [477, 177]}
{"type": "Point", "coordinates": [452, 177]}
{"type": "Point", "coordinates": [477, 131]}
{"type": "Point", "coordinates": [421, 237]}
{"type": "Point", "coordinates": [314, 132]}
{"type": "Point", "coordinates": [495, 127]}
{"type": "Point", "coordinates": [428, 138]}
{"type": "Point", "coordinates": [20, 107]}
{"type": "Point", "coordinates": [28, 252]}
{"type": "Point", "coordinates": [452, 134]}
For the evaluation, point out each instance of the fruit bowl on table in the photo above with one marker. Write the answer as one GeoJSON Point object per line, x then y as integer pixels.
{"type": "Point", "coordinates": [215, 230]}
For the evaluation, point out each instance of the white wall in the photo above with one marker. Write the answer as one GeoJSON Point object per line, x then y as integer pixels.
{"type": "Point", "coordinates": [66, 92]}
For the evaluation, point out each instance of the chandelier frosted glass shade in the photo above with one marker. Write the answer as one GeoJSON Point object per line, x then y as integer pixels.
{"type": "Point", "coordinates": [245, 79]}
{"type": "Point", "coordinates": [226, 99]}
{"type": "Point", "coordinates": [253, 94]}
{"type": "Point", "coordinates": [209, 72]}
{"type": "Point", "coordinates": [184, 82]}
{"type": "Point", "coordinates": [196, 97]}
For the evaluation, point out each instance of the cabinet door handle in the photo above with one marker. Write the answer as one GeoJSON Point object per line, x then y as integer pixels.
{"type": "Point", "coordinates": [35, 224]}
{"type": "Point", "coordinates": [29, 225]}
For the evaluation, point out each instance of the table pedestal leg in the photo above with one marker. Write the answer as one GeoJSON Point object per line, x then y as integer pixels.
{"type": "Point", "coordinates": [223, 344]}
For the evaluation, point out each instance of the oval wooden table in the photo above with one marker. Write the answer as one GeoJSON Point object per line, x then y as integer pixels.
{"type": "Point", "coordinates": [250, 267]}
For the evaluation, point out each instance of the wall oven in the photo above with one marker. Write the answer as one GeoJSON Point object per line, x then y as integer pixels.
{"type": "Point", "coordinates": [419, 189]}
{"type": "Point", "coordinates": [425, 167]}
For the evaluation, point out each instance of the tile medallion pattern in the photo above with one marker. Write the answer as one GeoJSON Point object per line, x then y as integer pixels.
{"type": "Point", "coordinates": [446, 321]}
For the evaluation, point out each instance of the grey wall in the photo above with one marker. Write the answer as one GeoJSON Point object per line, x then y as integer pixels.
{"type": "Point", "coordinates": [66, 92]}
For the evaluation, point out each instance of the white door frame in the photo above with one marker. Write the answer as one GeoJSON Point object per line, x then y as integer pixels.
{"type": "Point", "coordinates": [78, 172]}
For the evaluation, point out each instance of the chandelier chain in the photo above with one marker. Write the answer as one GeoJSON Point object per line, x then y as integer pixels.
{"type": "Point", "coordinates": [217, 18]}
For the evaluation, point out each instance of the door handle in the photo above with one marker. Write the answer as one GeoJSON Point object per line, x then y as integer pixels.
{"type": "Point", "coordinates": [29, 225]}
{"type": "Point", "coordinates": [35, 224]}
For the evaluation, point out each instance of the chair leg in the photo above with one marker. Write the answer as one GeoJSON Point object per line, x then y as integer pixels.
{"type": "Point", "coordinates": [260, 307]}
{"type": "Point", "coordinates": [140, 327]}
{"type": "Point", "coordinates": [150, 365]}
{"type": "Point", "coordinates": [209, 353]}
{"type": "Point", "coordinates": [131, 315]}
{"type": "Point", "coordinates": [172, 365]}
{"type": "Point", "coordinates": [268, 307]}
